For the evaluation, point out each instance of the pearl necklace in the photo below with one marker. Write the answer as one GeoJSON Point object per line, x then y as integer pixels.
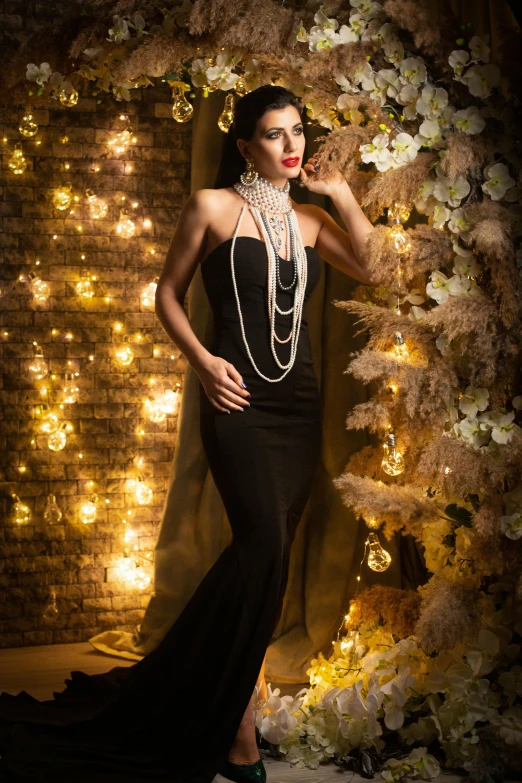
{"type": "Point", "coordinates": [262, 196]}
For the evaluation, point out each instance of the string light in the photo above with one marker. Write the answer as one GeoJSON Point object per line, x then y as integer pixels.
{"type": "Point", "coordinates": [68, 97]}
{"type": "Point", "coordinates": [148, 295]}
{"type": "Point", "coordinates": [38, 365]}
{"type": "Point", "coordinates": [98, 208]}
{"type": "Point", "coordinates": [57, 440]}
{"type": "Point", "coordinates": [144, 494]}
{"type": "Point", "coordinates": [70, 389]}
{"type": "Point", "coordinates": [39, 288]}
{"type": "Point", "coordinates": [120, 142]}
{"type": "Point", "coordinates": [21, 512]}
{"type": "Point", "coordinates": [226, 117]}
{"type": "Point", "coordinates": [125, 227]}
{"type": "Point", "coordinates": [378, 558]}
{"type": "Point", "coordinates": [400, 348]}
{"type": "Point", "coordinates": [88, 510]}
{"type": "Point", "coordinates": [62, 198]}
{"type": "Point", "coordinates": [182, 109]}
{"type": "Point", "coordinates": [52, 511]}
{"type": "Point", "coordinates": [124, 354]}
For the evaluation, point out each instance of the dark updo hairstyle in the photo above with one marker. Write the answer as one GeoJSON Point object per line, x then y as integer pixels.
{"type": "Point", "coordinates": [247, 111]}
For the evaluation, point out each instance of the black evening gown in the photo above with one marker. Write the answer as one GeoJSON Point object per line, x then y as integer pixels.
{"type": "Point", "coordinates": [174, 714]}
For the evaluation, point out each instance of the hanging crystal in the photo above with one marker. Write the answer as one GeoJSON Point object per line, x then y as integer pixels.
{"type": "Point", "coordinates": [392, 462]}
{"type": "Point", "coordinates": [378, 558]}
{"type": "Point", "coordinates": [52, 511]}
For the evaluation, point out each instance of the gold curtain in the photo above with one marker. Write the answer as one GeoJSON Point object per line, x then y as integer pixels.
{"type": "Point", "coordinates": [329, 542]}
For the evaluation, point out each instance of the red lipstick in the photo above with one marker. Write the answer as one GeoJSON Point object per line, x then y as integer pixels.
{"type": "Point", "coordinates": [290, 161]}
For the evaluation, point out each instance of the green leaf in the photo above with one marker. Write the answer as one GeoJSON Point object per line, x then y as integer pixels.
{"type": "Point", "coordinates": [458, 514]}
{"type": "Point", "coordinates": [475, 502]}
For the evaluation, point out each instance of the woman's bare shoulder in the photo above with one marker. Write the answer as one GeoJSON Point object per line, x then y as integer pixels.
{"type": "Point", "coordinates": [212, 199]}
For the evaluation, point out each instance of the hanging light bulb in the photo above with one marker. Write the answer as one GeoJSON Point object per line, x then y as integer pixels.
{"type": "Point", "coordinates": [144, 494]}
{"type": "Point", "coordinates": [148, 295]}
{"type": "Point", "coordinates": [350, 642]}
{"type": "Point", "coordinates": [68, 97]}
{"type": "Point", "coordinates": [49, 421]}
{"type": "Point", "coordinates": [98, 208]}
{"type": "Point", "coordinates": [84, 287]}
{"type": "Point", "coordinates": [400, 239]}
{"type": "Point", "coordinates": [17, 163]}
{"type": "Point", "coordinates": [392, 462]}
{"type": "Point", "coordinates": [39, 288]}
{"type": "Point", "coordinates": [140, 578]}
{"type": "Point", "coordinates": [52, 511]}
{"type": "Point", "coordinates": [124, 354]}
{"type": "Point", "coordinates": [169, 401]}
{"type": "Point", "coordinates": [378, 558]}
{"type": "Point", "coordinates": [63, 197]}
{"type": "Point", "coordinates": [400, 348]}
{"type": "Point", "coordinates": [399, 211]}
{"type": "Point", "coordinates": [88, 510]}
{"type": "Point", "coordinates": [119, 144]}
{"type": "Point", "coordinates": [21, 512]}
{"type": "Point", "coordinates": [38, 365]}
{"type": "Point", "coordinates": [226, 117]}
{"type": "Point", "coordinates": [155, 411]}
{"type": "Point", "coordinates": [58, 440]}
{"type": "Point", "coordinates": [182, 109]}
{"type": "Point", "coordinates": [131, 571]}
{"type": "Point", "coordinates": [51, 611]}
{"type": "Point", "coordinates": [240, 87]}
{"type": "Point", "coordinates": [125, 228]}
{"type": "Point", "coordinates": [70, 389]}
{"type": "Point", "coordinates": [28, 126]}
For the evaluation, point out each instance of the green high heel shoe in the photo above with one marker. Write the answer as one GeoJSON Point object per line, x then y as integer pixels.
{"type": "Point", "coordinates": [244, 773]}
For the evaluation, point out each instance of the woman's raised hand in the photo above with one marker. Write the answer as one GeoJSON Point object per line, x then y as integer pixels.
{"type": "Point", "coordinates": [222, 384]}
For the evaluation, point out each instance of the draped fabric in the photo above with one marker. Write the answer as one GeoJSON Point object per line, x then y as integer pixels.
{"type": "Point", "coordinates": [329, 542]}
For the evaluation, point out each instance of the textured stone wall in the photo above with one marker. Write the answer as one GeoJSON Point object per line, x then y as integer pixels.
{"type": "Point", "coordinates": [110, 430]}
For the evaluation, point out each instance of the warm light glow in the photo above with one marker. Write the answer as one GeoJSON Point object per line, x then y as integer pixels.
{"type": "Point", "coordinates": [392, 461]}
{"type": "Point", "coordinates": [378, 558]}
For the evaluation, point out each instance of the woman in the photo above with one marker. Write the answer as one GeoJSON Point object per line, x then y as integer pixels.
{"type": "Point", "coordinates": [185, 712]}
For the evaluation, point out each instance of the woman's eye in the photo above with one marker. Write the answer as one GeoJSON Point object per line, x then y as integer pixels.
{"type": "Point", "coordinates": [275, 135]}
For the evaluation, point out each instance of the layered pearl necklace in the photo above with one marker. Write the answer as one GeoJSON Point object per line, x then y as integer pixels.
{"type": "Point", "coordinates": [262, 196]}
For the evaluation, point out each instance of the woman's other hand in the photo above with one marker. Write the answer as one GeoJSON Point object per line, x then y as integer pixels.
{"type": "Point", "coordinates": [222, 384]}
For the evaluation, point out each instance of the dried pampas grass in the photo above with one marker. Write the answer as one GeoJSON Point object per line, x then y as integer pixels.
{"type": "Point", "coordinates": [465, 156]}
{"type": "Point", "coordinates": [400, 184]}
{"type": "Point", "coordinates": [397, 610]}
{"type": "Point", "coordinates": [401, 507]}
{"type": "Point", "coordinates": [449, 615]}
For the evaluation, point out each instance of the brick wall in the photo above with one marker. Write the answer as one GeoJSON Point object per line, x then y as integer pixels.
{"type": "Point", "coordinates": [77, 561]}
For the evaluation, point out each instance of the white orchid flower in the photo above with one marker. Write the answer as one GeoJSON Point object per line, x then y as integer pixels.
{"type": "Point", "coordinates": [469, 120]}
{"type": "Point", "coordinates": [393, 51]}
{"type": "Point", "coordinates": [425, 766]}
{"type": "Point", "coordinates": [451, 192]}
{"type": "Point", "coordinates": [498, 181]}
{"type": "Point", "coordinates": [363, 73]}
{"type": "Point", "coordinates": [353, 31]}
{"type": "Point", "coordinates": [120, 31]}
{"type": "Point", "coordinates": [38, 73]}
{"type": "Point", "coordinates": [413, 70]}
{"type": "Point", "coordinates": [457, 222]}
{"type": "Point", "coordinates": [511, 526]}
{"type": "Point", "coordinates": [377, 151]}
{"type": "Point", "coordinates": [396, 690]}
{"type": "Point", "coordinates": [198, 72]}
{"type": "Point", "coordinates": [322, 20]}
{"type": "Point", "coordinates": [390, 77]}
{"type": "Point", "coordinates": [473, 400]}
{"type": "Point", "coordinates": [479, 49]}
{"type": "Point", "coordinates": [367, 8]}
{"type": "Point", "coordinates": [439, 212]}
{"type": "Point", "coordinates": [322, 39]}
{"type": "Point", "coordinates": [346, 85]}
{"type": "Point", "coordinates": [432, 102]}
{"type": "Point", "coordinates": [405, 148]}
{"type": "Point", "coordinates": [276, 725]}
{"type": "Point", "coordinates": [440, 287]}
{"type": "Point", "coordinates": [466, 263]}
{"type": "Point", "coordinates": [221, 74]}
{"type": "Point", "coordinates": [501, 425]}
{"type": "Point", "coordinates": [458, 60]}
{"type": "Point", "coordinates": [416, 313]}
{"type": "Point", "coordinates": [429, 133]}
{"type": "Point", "coordinates": [470, 430]}
{"type": "Point", "coordinates": [480, 79]}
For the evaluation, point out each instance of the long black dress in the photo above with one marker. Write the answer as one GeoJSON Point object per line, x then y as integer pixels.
{"type": "Point", "coordinates": [174, 714]}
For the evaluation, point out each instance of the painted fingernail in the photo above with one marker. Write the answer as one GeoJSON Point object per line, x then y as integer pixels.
{"type": "Point", "coordinates": [228, 411]}
{"type": "Point", "coordinates": [242, 410]}
{"type": "Point", "coordinates": [316, 168]}
{"type": "Point", "coordinates": [243, 385]}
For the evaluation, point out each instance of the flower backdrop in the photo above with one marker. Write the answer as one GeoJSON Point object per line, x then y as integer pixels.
{"type": "Point", "coordinates": [424, 128]}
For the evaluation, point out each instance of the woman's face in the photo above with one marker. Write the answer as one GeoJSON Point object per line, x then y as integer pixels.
{"type": "Point", "coordinates": [279, 136]}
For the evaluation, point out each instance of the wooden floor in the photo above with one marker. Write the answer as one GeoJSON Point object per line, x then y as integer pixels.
{"type": "Point", "coordinates": [42, 670]}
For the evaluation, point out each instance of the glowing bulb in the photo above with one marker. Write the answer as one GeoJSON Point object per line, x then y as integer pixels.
{"type": "Point", "coordinates": [57, 440]}
{"type": "Point", "coordinates": [84, 288]}
{"type": "Point", "coordinates": [38, 365]}
{"type": "Point", "coordinates": [350, 642]}
{"type": "Point", "coordinates": [39, 288]}
{"type": "Point", "coordinates": [120, 142]}
{"type": "Point", "coordinates": [378, 558]}
{"type": "Point", "coordinates": [17, 163]}
{"type": "Point", "coordinates": [124, 354]}
{"type": "Point", "coordinates": [399, 211]}
{"type": "Point", "coordinates": [392, 461]}
{"type": "Point", "coordinates": [144, 493]}
{"type": "Point", "coordinates": [400, 348]}
{"type": "Point", "coordinates": [21, 512]}
{"type": "Point", "coordinates": [68, 97]}
{"type": "Point", "coordinates": [98, 208]}
{"type": "Point", "coordinates": [52, 511]}
{"type": "Point", "coordinates": [148, 295]}
{"type": "Point", "coordinates": [147, 223]}
{"type": "Point", "coordinates": [28, 126]}
{"type": "Point", "coordinates": [70, 389]}
{"type": "Point", "coordinates": [88, 511]}
{"type": "Point", "coordinates": [125, 228]}
{"type": "Point", "coordinates": [400, 238]}
{"type": "Point", "coordinates": [226, 117]}
{"type": "Point", "coordinates": [62, 198]}
{"type": "Point", "coordinates": [182, 110]}
{"type": "Point", "coordinates": [49, 422]}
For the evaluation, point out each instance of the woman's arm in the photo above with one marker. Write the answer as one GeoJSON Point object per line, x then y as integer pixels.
{"type": "Point", "coordinates": [222, 383]}
{"type": "Point", "coordinates": [180, 266]}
